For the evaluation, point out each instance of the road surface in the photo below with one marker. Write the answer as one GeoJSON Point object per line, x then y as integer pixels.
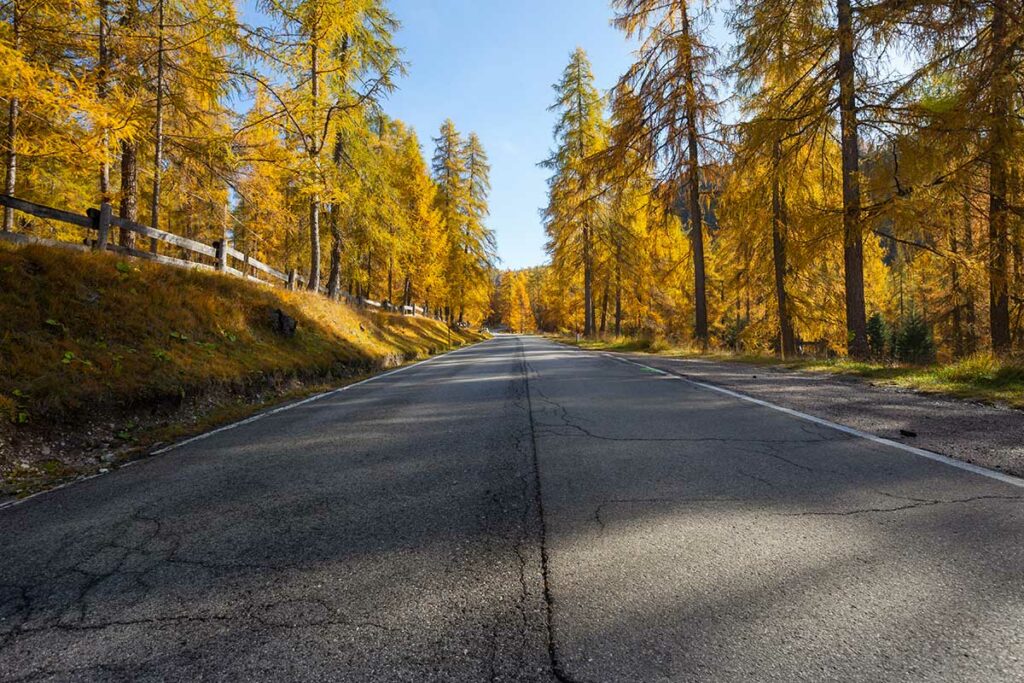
{"type": "Point", "coordinates": [519, 511]}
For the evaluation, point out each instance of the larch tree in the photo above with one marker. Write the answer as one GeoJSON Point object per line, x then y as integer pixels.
{"type": "Point", "coordinates": [47, 136]}
{"type": "Point", "coordinates": [191, 78]}
{"type": "Point", "coordinates": [853, 231]}
{"type": "Point", "coordinates": [770, 58]}
{"type": "Point", "coordinates": [448, 166]}
{"type": "Point", "coordinates": [673, 81]}
{"type": "Point", "coordinates": [1005, 34]}
{"type": "Point", "coordinates": [571, 214]}
{"type": "Point", "coordinates": [476, 240]}
{"type": "Point", "coordinates": [420, 259]}
{"type": "Point", "coordinates": [326, 49]}
{"type": "Point", "coordinates": [804, 61]}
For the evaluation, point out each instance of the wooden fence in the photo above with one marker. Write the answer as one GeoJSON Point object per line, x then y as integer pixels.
{"type": "Point", "coordinates": [214, 257]}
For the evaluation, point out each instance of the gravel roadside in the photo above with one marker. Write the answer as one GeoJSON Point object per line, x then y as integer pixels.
{"type": "Point", "coordinates": [986, 435]}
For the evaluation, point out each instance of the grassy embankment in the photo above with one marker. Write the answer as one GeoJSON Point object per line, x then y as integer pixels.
{"type": "Point", "coordinates": [100, 356]}
{"type": "Point", "coordinates": [979, 378]}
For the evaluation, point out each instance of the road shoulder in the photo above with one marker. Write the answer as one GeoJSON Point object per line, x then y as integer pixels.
{"type": "Point", "coordinates": [156, 433]}
{"type": "Point", "coordinates": [985, 435]}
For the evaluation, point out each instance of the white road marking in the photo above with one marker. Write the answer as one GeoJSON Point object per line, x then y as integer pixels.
{"type": "Point", "coordinates": [296, 404]}
{"type": "Point", "coordinates": [938, 457]}
{"type": "Point", "coordinates": [251, 418]}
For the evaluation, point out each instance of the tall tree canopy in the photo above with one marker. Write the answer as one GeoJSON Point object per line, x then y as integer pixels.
{"type": "Point", "coordinates": [864, 179]}
{"type": "Point", "coordinates": [267, 134]}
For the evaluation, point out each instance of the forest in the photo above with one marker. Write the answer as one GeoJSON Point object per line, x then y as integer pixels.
{"type": "Point", "coordinates": [269, 132]}
{"type": "Point", "coordinates": [838, 177]}
{"type": "Point", "coordinates": [843, 177]}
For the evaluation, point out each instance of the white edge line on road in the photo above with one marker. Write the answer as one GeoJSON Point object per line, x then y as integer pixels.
{"type": "Point", "coordinates": [938, 457]}
{"type": "Point", "coordinates": [251, 418]}
{"type": "Point", "coordinates": [296, 404]}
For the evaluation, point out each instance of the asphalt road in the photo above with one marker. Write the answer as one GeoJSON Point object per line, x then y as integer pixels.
{"type": "Point", "coordinates": [519, 511]}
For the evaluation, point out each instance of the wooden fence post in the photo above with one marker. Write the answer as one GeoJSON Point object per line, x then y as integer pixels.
{"type": "Point", "coordinates": [291, 279]}
{"type": "Point", "coordinates": [103, 226]}
{"type": "Point", "coordinates": [222, 255]}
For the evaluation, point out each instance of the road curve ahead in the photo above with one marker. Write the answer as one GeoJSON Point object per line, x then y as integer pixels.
{"type": "Point", "coordinates": [519, 511]}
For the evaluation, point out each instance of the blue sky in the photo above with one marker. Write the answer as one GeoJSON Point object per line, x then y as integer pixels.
{"type": "Point", "coordinates": [489, 66]}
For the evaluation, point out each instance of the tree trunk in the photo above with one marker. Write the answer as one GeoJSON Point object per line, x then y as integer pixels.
{"type": "Point", "coordinates": [369, 273]}
{"type": "Point", "coordinates": [314, 154]}
{"type": "Point", "coordinates": [998, 218]}
{"type": "Point", "coordinates": [11, 137]}
{"type": "Point", "coordinates": [588, 284]}
{"type": "Point", "coordinates": [1013, 286]}
{"type": "Point", "coordinates": [618, 289]}
{"type": "Point", "coordinates": [391, 276]}
{"type": "Point", "coordinates": [10, 180]}
{"type": "Point", "coordinates": [334, 278]}
{"type": "Point", "coordinates": [853, 237]}
{"type": "Point", "coordinates": [314, 244]}
{"type": "Point", "coordinates": [970, 316]}
{"type": "Point", "coordinates": [787, 341]}
{"type": "Point", "coordinates": [102, 73]}
{"type": "Point", "coordinates": [225, 228]}
{"type": "Point", "coordinates": [129, 190]}
{"type": "Point", "coordinates": [604, 310]}
{"type": "Point", "coordinates": [954, 276]}
{"type": "Point", "coordinates": [158, 148]}
{"type": "Point", "coordinates": [700, 302]}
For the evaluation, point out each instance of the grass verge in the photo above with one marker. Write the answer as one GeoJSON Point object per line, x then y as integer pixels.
{"type": "Point", "coordinates": [100, 356]}
{"type": "Point", "coordinates": [978, 378]}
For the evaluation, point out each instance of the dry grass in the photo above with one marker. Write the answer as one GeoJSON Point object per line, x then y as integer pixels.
{"type": "Point", "coordinates": [83, 331]}
{"type": "Point", "coordinates": [979, 378]}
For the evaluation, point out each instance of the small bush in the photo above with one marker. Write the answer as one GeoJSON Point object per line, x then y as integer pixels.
{"type": "Point", "coordinates": [878, 336]}
{"type": "Point", "coordinates": [731, 332]}
{"type": "Point", "coordinates": [658, 345]}
{"type": "Point", "coordinates": [912, 340]}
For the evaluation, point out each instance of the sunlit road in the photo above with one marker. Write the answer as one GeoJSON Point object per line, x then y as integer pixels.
{"type": "Point", "coordinates": [518, 510]}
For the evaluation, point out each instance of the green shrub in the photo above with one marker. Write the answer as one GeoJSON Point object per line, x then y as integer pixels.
{"type": "Point", "coordinates": [878, 336]}
{"type": "Point", "coordinates": [912, 340]}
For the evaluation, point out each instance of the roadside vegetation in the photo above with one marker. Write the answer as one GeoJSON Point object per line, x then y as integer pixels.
{"type": "Point", "coordinates": [846, 219]}
{"type": "Point", "coordinates": [979, 377]}
{"type": "Point", "coordinates": [101, 355]}
{"type": "Point", "coordinates": [838, 198]}
{"type": "Point", "coordinates": [271, 135]}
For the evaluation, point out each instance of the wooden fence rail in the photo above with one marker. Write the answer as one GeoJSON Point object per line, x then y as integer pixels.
{"type": "Point", "coordinates": [102, 220]}
{"type": "Point", "coordinates": [221, 256]}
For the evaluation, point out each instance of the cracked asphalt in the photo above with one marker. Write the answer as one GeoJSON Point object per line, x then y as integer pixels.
{"type": "Point", "coordinates": [519, 511]}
